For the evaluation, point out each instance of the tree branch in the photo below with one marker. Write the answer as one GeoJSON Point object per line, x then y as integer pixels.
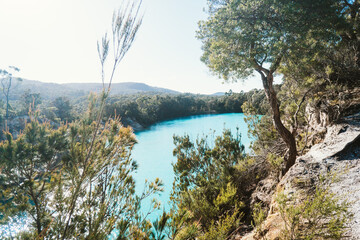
{"type": "Point", "coordinates": [297, 111]}
{"type": "Point", "coordinates": [275, 65]}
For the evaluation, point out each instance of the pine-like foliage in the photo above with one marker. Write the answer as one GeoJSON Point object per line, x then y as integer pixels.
{"type": "Point", "coordinates": [207, 189]}
{"type": "Point", "coordinates": [72, 184]}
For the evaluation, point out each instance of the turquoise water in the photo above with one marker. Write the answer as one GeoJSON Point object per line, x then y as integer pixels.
{"type": "Point", "coordinates": [153, 152]}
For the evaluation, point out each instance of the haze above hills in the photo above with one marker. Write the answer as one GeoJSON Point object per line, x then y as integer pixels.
{"type": "Point", "coordinates": [73, 90]}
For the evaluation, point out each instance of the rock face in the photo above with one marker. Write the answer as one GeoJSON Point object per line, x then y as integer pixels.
{"type": "Point", "coordinates": [318, 118]}
{"type": "Point", "coordinates": [338, 153]}
{"type": "Point", "coordinates": [339, 105]}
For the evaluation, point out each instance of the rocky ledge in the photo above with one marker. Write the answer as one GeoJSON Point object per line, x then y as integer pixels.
{"type": "Point", "coordinates": [338, 153]}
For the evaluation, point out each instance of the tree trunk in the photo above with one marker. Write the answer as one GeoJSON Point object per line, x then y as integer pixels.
{"type": "Point", "coordinates": [7, 113]}
{"type": "Point", "coordinates": [7, 103]}
{"type": "Point", "coordinates": [285, 134]}
{"type": "Point", "coordinates": [37, 209]}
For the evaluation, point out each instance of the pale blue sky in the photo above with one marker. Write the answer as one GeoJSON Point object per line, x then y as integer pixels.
{"type": "Point", "coordinates": [55, 41]}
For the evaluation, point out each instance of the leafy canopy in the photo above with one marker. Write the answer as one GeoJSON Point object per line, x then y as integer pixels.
{"type": "Point", "coordinates": [240, 36]}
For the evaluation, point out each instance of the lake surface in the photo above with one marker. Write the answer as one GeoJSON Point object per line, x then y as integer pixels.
{"type": "Point", "coordinates": [154, 151]}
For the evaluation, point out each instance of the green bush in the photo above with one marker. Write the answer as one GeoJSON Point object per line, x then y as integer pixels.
{"type": "Point", "coordinates": [322, 215]}
{"type": "Point", "coordinates": [212, 188]}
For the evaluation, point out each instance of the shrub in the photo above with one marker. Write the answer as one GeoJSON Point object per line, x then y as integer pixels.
{"type": "Point", "coordinates": [320, 216]}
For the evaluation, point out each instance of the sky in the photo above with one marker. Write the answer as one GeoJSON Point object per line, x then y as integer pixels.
{"type": "Point", "coordinates": [55, 41]}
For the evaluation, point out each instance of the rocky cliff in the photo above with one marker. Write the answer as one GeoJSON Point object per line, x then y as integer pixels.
{"type": "Point", "coordinates": [338, 153]}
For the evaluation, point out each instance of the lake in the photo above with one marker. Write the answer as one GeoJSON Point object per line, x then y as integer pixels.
{"type": "Point", "coordinates": [153, 153]}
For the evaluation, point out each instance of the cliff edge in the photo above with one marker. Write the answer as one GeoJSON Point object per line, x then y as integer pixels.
{"type": "Point", "coordinates": [339, 153]}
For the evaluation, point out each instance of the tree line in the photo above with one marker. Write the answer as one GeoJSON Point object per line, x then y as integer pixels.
{"type": "Point", "coordinates": [149, 109]}
{"type": "Point", "coordinates": [144, 109]}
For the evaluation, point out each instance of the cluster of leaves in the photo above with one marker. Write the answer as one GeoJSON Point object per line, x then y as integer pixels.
{"type": "Point", "coordinates": [212, 188]}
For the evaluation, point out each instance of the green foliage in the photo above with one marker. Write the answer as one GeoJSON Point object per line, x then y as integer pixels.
{"type": "Point", "coordinates": [322, 215]}
{"type": "Point", "coordinates": [142, 109]}
{"type": "Point", "coordinates": [240, 35]}
{"type": "Point", "coordinates": [7, 82]}
{"type": "Point", "coordinates": [63, 109]}
{"type": "Point", "coordinates": [159, 225]}
{"type": "Point", "coordinates": [275, 161]}
{"type": "Point", "coordinates": [92, 192]}
{"type": "Point", "coordinates": [29, 101]}
{"type": "Point", "coordinates": [28, 164]}
{"type": "Point", "coordinates": [338, 63]}
{"type": "Point", "coordinates": [259, 216]}
{"type": "Point", "coordinates": [266, 139]}
{"type": "Point", "coordinates": [323, 77]}
{"type": "Point", "coordinates": [207, 191]}
{"type": "Point", "coordinates": [220, 230]}
{"type": "Point", "coordinates": [188, 232]}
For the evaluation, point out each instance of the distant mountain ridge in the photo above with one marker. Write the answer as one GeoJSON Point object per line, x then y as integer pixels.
{"type": "Point", "coordinates": [119, 88]}
{"type": "Point", "coordinates": [72, 90]}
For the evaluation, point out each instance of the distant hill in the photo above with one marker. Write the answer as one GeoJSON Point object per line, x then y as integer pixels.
{"type": "Point", "coordinates": [73, 90]}
{"type": "Point", "coordinates": [118, 88]}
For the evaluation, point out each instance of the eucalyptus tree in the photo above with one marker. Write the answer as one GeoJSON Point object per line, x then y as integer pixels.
{"type": "Point", "coordinates": [7, 77]}
{"type": "Point", "coordinates": [350, 32]}
{"type": "Point", "coordinates": [241, 37]}
{"type": "Point", "coordinates": [30, 101]}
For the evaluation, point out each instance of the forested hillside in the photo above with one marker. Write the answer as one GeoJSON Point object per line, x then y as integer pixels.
{"type": "Point", "coordinates": [139, 110]}
{"type": "Point", "coordinates": [50, 91]}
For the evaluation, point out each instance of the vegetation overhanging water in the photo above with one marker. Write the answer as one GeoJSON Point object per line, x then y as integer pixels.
{"type": "Point", "coordinates": [153, 152]}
